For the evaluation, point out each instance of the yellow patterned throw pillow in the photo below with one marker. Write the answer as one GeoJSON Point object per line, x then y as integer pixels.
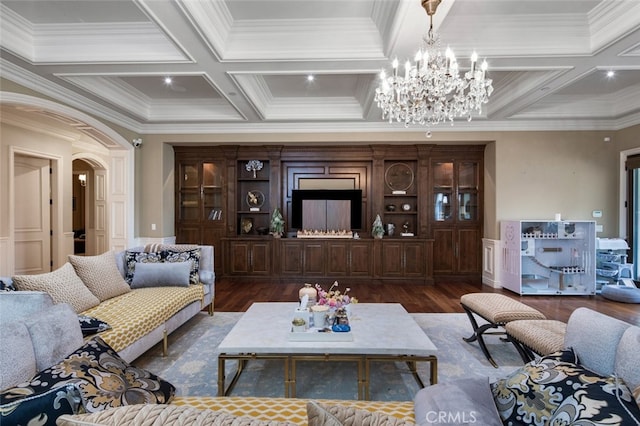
{"type": "Point", "coordinates": [162, 415]}
{"type": "Point", "coordinates": [63, 285]}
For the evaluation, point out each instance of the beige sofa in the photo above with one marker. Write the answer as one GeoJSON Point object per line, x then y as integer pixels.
{"type": "Point", "coordinates": [138, 317]}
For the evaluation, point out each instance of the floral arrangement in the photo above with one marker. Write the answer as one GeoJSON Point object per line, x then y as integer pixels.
{"type": "Point", "coordinates": [334, 298]}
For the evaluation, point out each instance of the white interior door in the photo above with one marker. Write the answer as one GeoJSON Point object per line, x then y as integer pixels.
{"type": "Point", "coordinates": [32, 233]}
{"type": "Point", "coordinates": [100, 214]}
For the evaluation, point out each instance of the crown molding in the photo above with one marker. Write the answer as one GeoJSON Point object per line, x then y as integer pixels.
{"type": "Point", "coordinates": [16, 34]}
{"type": "Point", "coordinates": [610, 20]}
{"type": "Point", "coordinates": [48, 88]}
{"type": "Point", "coordinates": [115, 91]}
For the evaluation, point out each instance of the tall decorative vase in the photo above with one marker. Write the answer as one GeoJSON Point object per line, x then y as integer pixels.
{"type": "Point", "coordinates": [310, 291]}
{"type": "Point", "coordinates": [377, 230]}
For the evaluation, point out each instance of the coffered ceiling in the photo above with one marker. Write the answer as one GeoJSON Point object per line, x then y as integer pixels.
{"type": "Point", "coordinates": [243, 65]}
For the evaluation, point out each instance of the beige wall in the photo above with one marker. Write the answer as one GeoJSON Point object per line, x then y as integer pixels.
{"type": "Point", "coordinates": [627, 139]}
{"type": "Point", "coordinates": [543, 173]}
{"type": "Point", "coordinates": [59, 151]}
{"type": "Point", "coordinates": [528, 175]}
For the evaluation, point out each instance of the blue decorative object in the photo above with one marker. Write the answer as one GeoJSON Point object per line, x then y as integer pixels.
{"type": "Point", "coordinates": [341, 328]}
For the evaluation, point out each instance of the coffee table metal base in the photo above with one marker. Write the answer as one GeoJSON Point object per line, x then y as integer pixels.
{"type": "Point", "coordinates": [363, 362]}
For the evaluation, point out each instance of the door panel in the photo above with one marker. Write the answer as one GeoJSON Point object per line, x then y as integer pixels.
{"type": "Point", "coordinates": [443, 250]}
{"type": "Point", "coordinates": [414, 259]}
{"type": "Point", "coordinates": [338, 258]}
{"type": "Point", "coordinates": [469, 250]}
{"type": "Point", "coordinates": [101, 213]}
{"type": "Point", "coordinates": [261, 258]}
{"type": "Point", "coordinates": [292, 257]}
{"type": "Point", "coordinates": [392, 258]}
{"type": "Point", "coordinates": [361, 259]}
{"type": "Point", "coordinates": [313, 258]}
{"type": "Point", "coordinates": [32, 223]}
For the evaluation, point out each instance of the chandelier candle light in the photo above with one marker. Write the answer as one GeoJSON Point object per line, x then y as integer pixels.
{"type": "Point", "coordinates": [432, 90]}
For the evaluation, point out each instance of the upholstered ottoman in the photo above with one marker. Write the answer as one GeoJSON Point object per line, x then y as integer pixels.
{"type": "Point", "coordinates": [497, 309]}
{"type": "Point", "coordinates": [541, 337]}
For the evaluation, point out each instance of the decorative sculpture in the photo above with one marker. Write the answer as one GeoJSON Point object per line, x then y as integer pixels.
{"type": "Point", "coordinates": [377, 230]}
{"type": "Point", "coordinates": [253, 166]}
{"type": "Point", "coordinates": [277, 223]}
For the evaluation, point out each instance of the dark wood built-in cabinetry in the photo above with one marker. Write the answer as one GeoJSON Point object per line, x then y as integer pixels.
{"type": "Point", "coordinates": [456, 211]}
{"type": "Point", "coordinates": [429, 199]}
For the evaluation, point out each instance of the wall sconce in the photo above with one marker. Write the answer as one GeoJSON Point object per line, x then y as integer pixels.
{"type": "Point", "coordinates": [83, 179]}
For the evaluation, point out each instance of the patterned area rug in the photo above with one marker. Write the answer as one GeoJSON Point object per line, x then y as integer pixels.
{"type": "Point", "coordinates": [191, 364]}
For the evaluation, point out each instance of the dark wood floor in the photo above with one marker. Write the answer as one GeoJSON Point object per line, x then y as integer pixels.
{"type": "Point", "coordinates": [416, 298]}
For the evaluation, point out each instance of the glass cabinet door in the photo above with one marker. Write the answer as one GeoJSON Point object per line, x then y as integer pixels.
{"type": "Point", "coordinates": [189, 193]}
{"type": "Point", "coordinates": [189, 176]}
{"type": "Point", "coordinates": [189, 205]}
{"type": "Point", "coordinates": [467, 206]}
{"type": "Point", "coordinates": [212, 190]}
{"type": "Point", "coordinates": [468, 175]}
{"type": "Point", "coordinates": [443, 175]}
{"type": "Point", "coordinates": [442, 205]}
{"type": "Point", "coordinates": [443, 183]}
{"type": "Point", "coordinates": [455, 191]}
{"type": "Point", "coordinates": [200, 195]}
{"type": "Point", "coordinates": [468, 181]}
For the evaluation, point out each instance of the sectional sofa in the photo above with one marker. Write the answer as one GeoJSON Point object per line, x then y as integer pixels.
{"type": "Point", "coordinates": [141, 294]}
{"type": "Point", "coordinates": [594, 380]}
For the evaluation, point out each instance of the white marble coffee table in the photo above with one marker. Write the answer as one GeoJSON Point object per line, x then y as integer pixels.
{"type": "Point", "coordinates": [381, 332]}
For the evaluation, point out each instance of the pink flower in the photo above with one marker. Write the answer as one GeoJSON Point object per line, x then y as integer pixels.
{"type": "Point", "coordinates": [334, 298]}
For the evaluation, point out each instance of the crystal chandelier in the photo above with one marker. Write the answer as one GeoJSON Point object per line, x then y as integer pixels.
{"type": "Point", "coordinates": [432, 90]}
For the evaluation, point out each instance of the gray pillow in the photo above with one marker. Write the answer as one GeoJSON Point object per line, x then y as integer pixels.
{"type": "Point", "coordinates": [18, 362]}
{"type": "Point", "coordinates": [55, 333]}
{"type": "Point", "coordinates": [627, 360]}
{"type": "Point", "coordinates": [161, 274]}
{"type": "Point", "coordinates": [459, 402]}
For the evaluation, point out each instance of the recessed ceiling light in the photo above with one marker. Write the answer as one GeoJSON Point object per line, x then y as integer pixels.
{"type": "Point", "coordinates": [168, 80]}
{"type": "Point", "coordinates": [611, 73]}
{"type": "Point", "coordinates": [310, 77]}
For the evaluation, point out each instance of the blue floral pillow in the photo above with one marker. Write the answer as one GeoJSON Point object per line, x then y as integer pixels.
{"type": "Point", "coordinates": [91, 325]}
{"type": "Point", "coordinates": [103, 379]}
{"type": "Point", "coordinates": [40, 409]}
{"type": "Point", "coordinates": [6, 284]}
{"type": "Point", "coordinates": [565, 355]}
{"type": "Point", "coordinates": [552, 391]}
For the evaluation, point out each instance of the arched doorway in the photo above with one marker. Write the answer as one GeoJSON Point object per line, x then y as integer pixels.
{"type": "Point", "coordinates": [113, 177]}
{"type": "Point", "coordinates": [90, 214]}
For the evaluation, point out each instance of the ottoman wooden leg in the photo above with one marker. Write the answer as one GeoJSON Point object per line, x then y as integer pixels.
{"type": "Point", "coordinates": [478, 331]}
{"type": "Point", "coordinates": [525, 353]}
